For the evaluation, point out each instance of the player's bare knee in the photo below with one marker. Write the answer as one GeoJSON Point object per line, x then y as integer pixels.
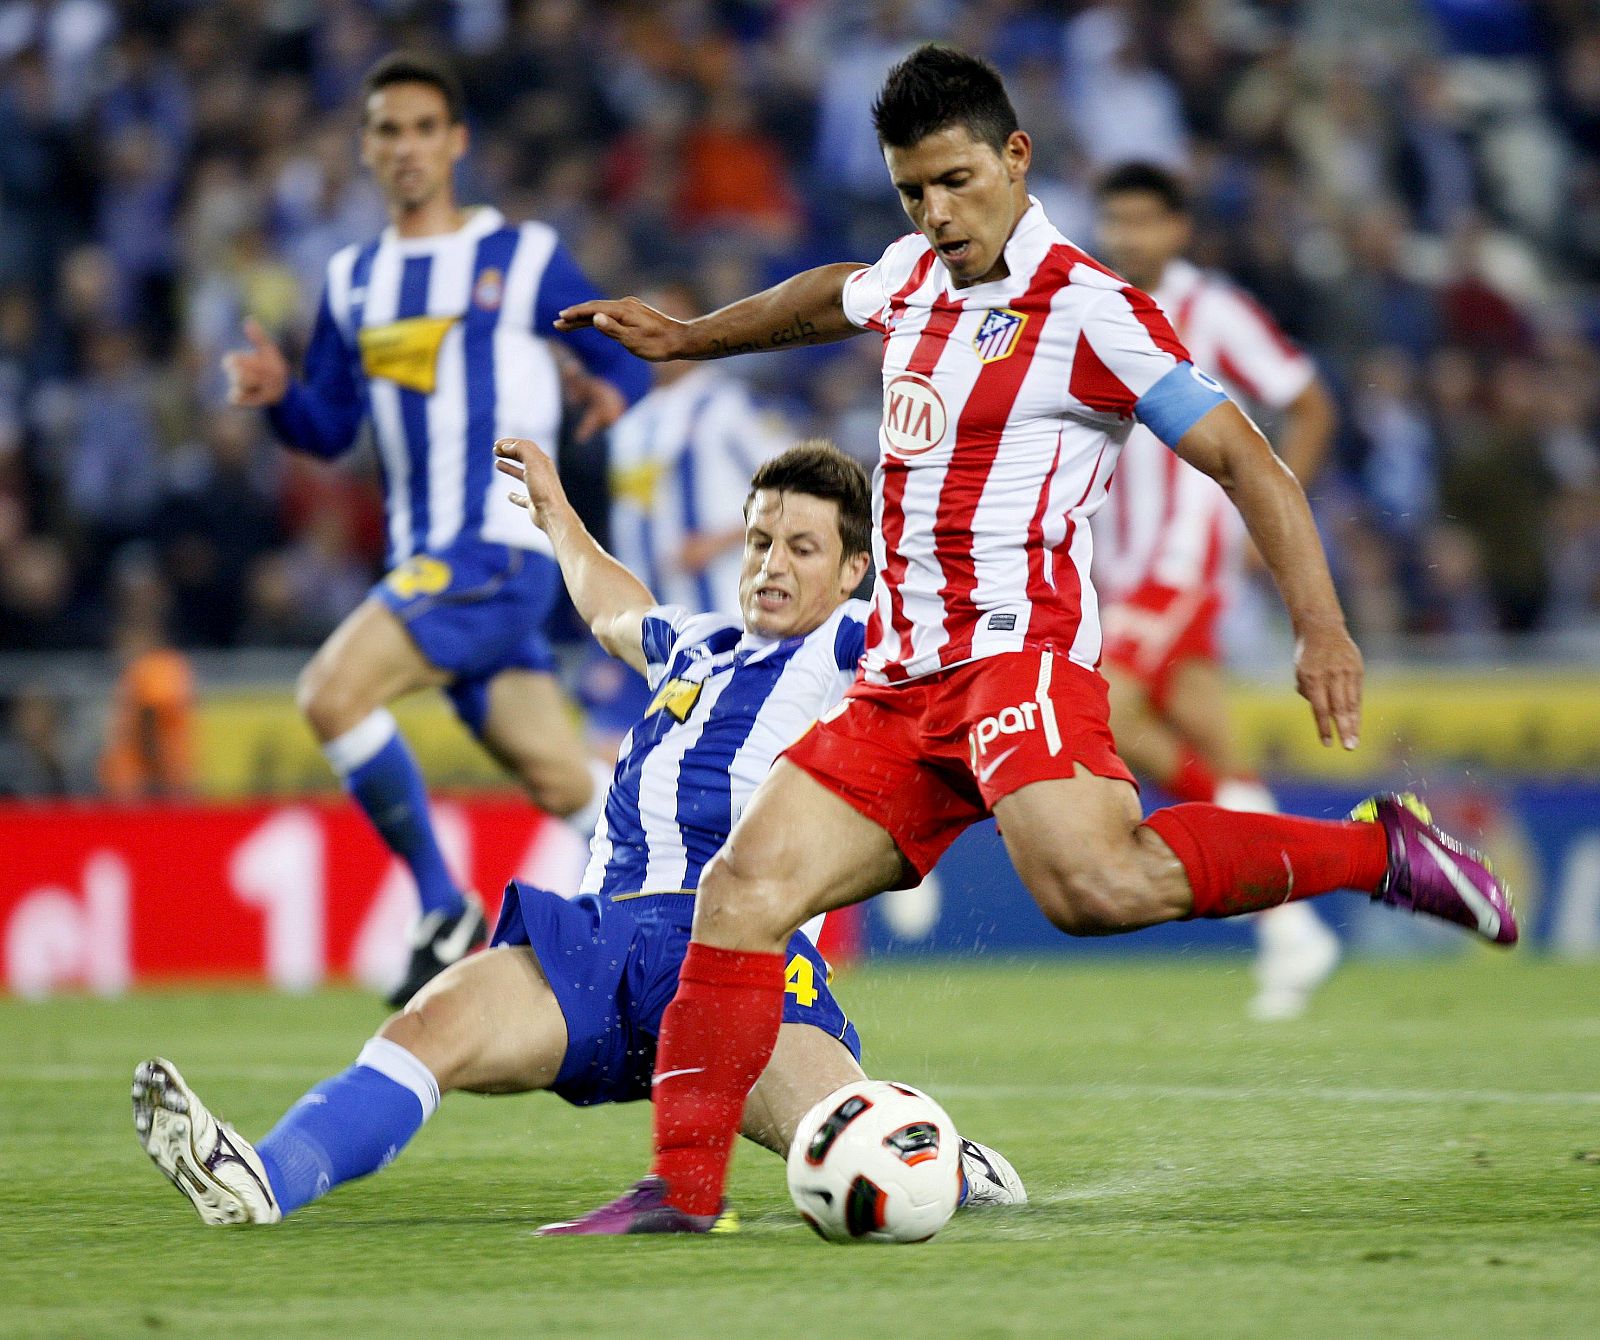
{"type": "Point", "coordinates": [1085, 900]}
{"type": "Point", "coordinates": [557, 786]}
{"type": "Point", "coordinates": [739, 907]}
{"type": "Point", "coordinates": [325, 702]}
{"type": "Point", "coordinates": [436, 1029]}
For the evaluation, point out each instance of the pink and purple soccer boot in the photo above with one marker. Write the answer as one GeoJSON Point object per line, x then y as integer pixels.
{"type": "Point", "coordinates": [1430, 872]}
{"type": "Point", "coordinates": [642, 1209]}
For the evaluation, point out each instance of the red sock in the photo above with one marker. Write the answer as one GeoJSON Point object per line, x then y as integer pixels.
{"type": "Point", "coordinates": [717, 1036]}
{"type": "Point", "coordinates": [1240, 862]}
{"type": "Point", "coordinates": [1193, 780]}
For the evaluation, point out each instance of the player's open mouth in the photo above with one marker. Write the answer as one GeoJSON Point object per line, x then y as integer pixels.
{"type": "Point", "coordinates": [955, 251]}
{"type": "Point", "coordinates": [771, 598]}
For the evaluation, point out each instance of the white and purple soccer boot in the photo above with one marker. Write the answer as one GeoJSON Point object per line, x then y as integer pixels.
{"type": "Point", "coordinates": [642, 1209]}
{"type": "Point", "coordinates": [211, 1163]}
{"type": "Point", "coordinates": [988, 1179]}
{"type": "Point", "coordinates": [1432, 873]}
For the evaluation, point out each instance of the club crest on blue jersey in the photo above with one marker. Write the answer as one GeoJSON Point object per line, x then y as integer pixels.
{"type": "Point", "coordinates": [489, 289]}
{"type": "Point", "coordinates": [997, 334]}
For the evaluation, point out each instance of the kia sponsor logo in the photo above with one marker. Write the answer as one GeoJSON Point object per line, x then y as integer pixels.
{"type": "Point", "coordinates": [914, 418]}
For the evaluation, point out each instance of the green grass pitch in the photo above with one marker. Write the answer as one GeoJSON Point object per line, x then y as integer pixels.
{"type": "Point", "coordinates": [1418, 1157]}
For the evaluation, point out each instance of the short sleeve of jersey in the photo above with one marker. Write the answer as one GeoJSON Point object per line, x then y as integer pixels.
{"type": "Point", "coordinates": [1126, 346]}
{"type": "Point", "coordinates": [1129, 361]}
{"type": "Point", "coordinates": [663, 625]}
{"type": "Point", "coordinates": [869, 293]}
{"type": "Point", "coordinates": [1255, 355]}
{"type": "Point", "coordinates": [850, 641]}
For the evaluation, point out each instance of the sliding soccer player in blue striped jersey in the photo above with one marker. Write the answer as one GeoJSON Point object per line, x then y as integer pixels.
{"type": "Point", "coordinates": [439, 334]}
{"type": "Point", "coordinates": [570, 996]}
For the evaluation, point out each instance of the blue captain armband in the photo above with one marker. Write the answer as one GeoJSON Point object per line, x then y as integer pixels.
{"type": "Point", "coordinates": [1177, 402]}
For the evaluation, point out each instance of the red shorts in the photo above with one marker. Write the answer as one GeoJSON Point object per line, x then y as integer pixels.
{"type": "Point", "coordinates": [926, 759]}
{"type": "Point", "coordinates": [1156, 628]}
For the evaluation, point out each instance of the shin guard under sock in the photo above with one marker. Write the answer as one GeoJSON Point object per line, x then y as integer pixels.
{"type": "Point", "coordinates": [1240, 862]}
{"type": "Point", "coordinates": [717, 1036]}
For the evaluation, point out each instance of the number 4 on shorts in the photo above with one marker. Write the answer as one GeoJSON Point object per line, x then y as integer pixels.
{"type": "Point", "coordinates": [800, 980]}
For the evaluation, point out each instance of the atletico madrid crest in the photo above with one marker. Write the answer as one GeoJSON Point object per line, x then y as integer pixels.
{"type": "Point", "coordinates": [997, 334]}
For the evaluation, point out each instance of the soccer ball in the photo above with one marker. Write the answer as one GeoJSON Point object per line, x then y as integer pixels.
{"type": "Point", "coordinates": [876, 1162]}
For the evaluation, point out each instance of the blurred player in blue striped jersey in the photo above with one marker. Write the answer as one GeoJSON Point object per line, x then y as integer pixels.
{"type": "Point", "coordinates": [680, 460]}
{"type": "Point", "coordinates": [439, 333]}
{"type": "Point", "coordinates": [570, 996]}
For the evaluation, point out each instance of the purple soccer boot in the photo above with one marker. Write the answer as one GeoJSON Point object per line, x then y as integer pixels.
{"type": "Point", "coordinates": [643, 1209]}
{"type": "Point", "coordinates": [1430, 872]}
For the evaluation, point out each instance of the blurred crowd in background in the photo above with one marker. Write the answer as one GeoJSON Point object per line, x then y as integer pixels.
{"type": "Point", "coordinates": [1411, 187]}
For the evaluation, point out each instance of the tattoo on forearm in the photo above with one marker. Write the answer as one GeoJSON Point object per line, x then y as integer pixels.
{"type": "Point", "coordinates": [798, 331]}
{"type": "Point", "coordinates": [725, 348]}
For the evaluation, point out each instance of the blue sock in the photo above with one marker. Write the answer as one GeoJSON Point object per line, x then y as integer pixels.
{"type": "Point", "coordinates": [348, 1126]}
{"type": "Point", "coordinates": [383, 777]}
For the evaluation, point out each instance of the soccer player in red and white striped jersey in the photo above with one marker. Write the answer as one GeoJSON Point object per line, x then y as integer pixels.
{"type": "Point", "coordinates": [1169, 550]}
{"type": "Point", "coordinates": [1014, 367]}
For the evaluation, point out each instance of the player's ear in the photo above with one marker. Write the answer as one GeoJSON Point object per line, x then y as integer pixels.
{"type": "Point", "coordinates": [458, 141]}
{"type": "Point", "coordinates": [1017, 154]}
{"type": "Point", "coordinates": [852, 570]}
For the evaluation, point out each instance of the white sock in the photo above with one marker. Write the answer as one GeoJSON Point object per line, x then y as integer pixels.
{"type": "Point", "coordinates": [393, 1061]}
{"type": "Point", "coordinates": [1245, 795]}
{"type": "Point", "coordinates": [1285, 928]}
{"type": "Point", "coordinates": [361, 743]}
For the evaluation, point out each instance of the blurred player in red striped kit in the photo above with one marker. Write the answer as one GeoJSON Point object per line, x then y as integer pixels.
{"type": "Point", "coordinates": [1169, 550]}
{"type": "Point", "coordinates": [1014, 366]}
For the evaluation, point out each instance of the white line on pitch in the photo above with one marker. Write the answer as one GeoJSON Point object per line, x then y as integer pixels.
{"type": "Point", "coordinates": [61, 1073]}
{"type": "Point", "coordinates": [1233, 1093]}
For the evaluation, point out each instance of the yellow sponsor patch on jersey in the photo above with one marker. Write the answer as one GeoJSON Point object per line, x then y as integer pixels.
{"type": "Point", "coordinates": [637, 483]}
{"type": "Point", "coordinates": [419, 576]}
{"type": "Point", "coordinates": [677, 696]}
{"type": "Point", "coordinates": [405, 352]}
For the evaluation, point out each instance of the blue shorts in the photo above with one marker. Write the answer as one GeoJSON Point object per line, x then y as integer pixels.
{"type": "Point", "coordinates": [474, 610]}
{"type": "Point", "coordinates": [614, 966]}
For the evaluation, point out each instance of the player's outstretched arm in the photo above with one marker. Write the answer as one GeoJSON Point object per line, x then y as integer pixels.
{"type": "Point", "coordinates": [609, 598]}
{"type": "Point", "coordinates": [321, 414]}
{"type": "Point", "coordinates": [805, 309]}
{"type": "Point", "coordinates": [1328, 669]}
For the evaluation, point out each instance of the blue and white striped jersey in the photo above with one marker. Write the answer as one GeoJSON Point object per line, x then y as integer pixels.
{"type": "Point", "coordinates": [681, 461]}
{"type": "Point", "coordinates": [726, 704]}
{"type": "Point", "coordinates": [445, 344]}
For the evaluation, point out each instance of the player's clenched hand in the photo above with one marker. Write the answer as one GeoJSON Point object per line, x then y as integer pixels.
{"type": "Point", "coordinates": [541, 486]}
{"type": "Point", "coordinates": [635, 325]}
{"type": "Point", "coordinates": [257, 376]}
{"type": "Point", "coordinates": [1328, 673]}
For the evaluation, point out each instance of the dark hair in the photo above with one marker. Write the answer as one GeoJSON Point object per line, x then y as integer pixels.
{"type": "Point", "coordinates": [818, 468]}
{"type": "Point", "coordinates": [937, 86]}
{"type": "Point", "coordinates": [411, 67]}
{"type": "Point", "coordinates": [1147, 179]}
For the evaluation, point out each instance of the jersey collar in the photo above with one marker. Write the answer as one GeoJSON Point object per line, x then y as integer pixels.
{"type": "Point", "coordinates": [1177, 282]}
{"type": "Point", "coordinates": [1023, 251]}
{"type": "Point", "coordinates": [752, 643]}
{"type": "Point", "coordinates": [756, 644]}
{"type": "Point", "coordinates": [482, 221]}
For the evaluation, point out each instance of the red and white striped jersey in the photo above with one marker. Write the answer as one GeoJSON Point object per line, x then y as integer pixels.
{"type": "Point", "coordinates": [1166, 523]}
{"type": "Point", "coordinates": [1005, 407]}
